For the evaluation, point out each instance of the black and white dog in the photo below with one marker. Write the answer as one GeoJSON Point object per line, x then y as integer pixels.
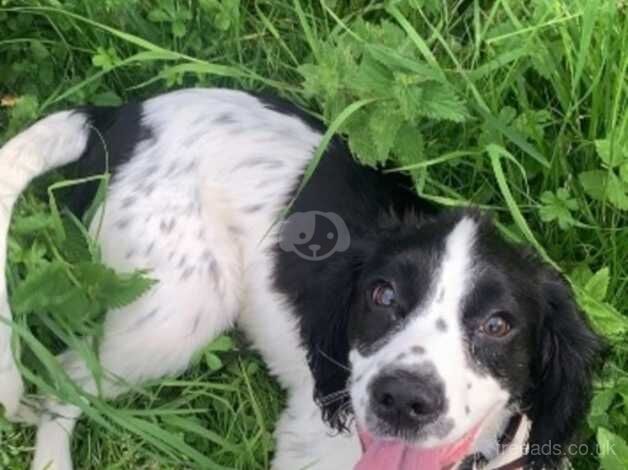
{"type": "Point", "coordinates": [424, 337]}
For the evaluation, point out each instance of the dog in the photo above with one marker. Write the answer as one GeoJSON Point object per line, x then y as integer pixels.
{"type": "Point", "coordinates": [407, 337]}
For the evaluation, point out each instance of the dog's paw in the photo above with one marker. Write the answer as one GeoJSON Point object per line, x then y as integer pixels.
{"type": "Point", "coordinates": [52, 450]}
{"type": "Point", "coordinates": [11, 390]}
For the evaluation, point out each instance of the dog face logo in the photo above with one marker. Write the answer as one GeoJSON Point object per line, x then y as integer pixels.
{"type": "Point", "coordinates": [314, 235]}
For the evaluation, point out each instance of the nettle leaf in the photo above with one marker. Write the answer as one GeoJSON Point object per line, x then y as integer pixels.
{"type": "Point", "coordinates": [32, 223]}
{"type": "Point", "coordinates": [43, 289]}
{"type": "Point", "coordinates": [384, 123]}
{"type": "Point", "coordinates": [74, 310]}
{"type": "Point", "coordinates": [326, 78]}
{"type": "Point", "coordinates": [110, 289]}
{"type": "Point", "coordinates": [409, 146]}
{"type": "Point", "coordinates": [441, 102]}
{"type": "Point", "coordinates": [597, 286]}
{"type": "Point", "coordinates": [613, 450]}
{"type": "Point", "coordinates": [409, 98]}
{"type": "Point", "coordinates": [360, 137]}
{"type": "Point", "coordinates": [399, 63]}
{"type": "Point", "coordinates": [371, 78]}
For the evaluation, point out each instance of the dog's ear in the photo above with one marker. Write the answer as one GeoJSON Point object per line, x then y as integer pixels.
{"type": "Point", "coordinates": [326, 334]}
{"type": "Point", "coordinates": [568, 352]}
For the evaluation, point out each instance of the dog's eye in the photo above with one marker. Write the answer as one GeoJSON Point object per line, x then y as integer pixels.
{"type": "Point", "coordinates": [383, 295]}
{"type": "Point", "coordinates": [496, 325]}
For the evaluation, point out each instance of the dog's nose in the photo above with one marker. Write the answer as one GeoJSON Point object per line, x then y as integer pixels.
{"type": "Point", "coordinates": [407, 399]}
{"type": "Point", "coordinates": [314, 247]}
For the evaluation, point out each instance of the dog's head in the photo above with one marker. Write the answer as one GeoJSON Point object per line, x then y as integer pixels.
{"type": "Point", "coordinates": [450, 332]}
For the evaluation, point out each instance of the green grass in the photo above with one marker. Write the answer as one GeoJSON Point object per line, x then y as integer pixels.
{"type": "Point", "coordinates": [517, 107]}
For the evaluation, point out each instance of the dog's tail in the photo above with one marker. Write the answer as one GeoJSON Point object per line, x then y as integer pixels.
{"type": "Point", "coordinates": [52, 142]}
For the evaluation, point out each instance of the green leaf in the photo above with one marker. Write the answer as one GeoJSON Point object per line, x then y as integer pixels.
{"type": "Point", "coordinates": [110, 289]}
{"type": "Point", "coordinates": [32, 223]}
{"type": "Point", "coordinates": [611, 155]}
{"type": "Point", "coordinates": [409, 145]}
{"type": "Point", "coordinates": [600, 403]}
{"type": "Point", "coordinates": [49, 289]}
{"type": "Point", "coordinates": [558, 207]}
{"type": "Point", "coordinates": [106, 98]}
{"type": "Point", "coordinates": [38, 50]}
{"type": "Point", "coordinates": [604, 185]}
{"type": "Point", "coordinates": [179, 29]}
{"type": "Point", "coordinates": [623, 172]}
{"type": "Point", "coordinates": [158, 16]}
{"type": "Point", "coordinates": [613, 450]}
{"type": "Point", "coordinates": [441, 102]}
{"type": "Point", "coordinates": [213, 362]}
{"type": "Point", "coordinates": [106, 59]}
{"type": "Point", "coordinates": [606, 319]}
{"type": "Point", "coordinates": [26, 109]}
{"type": "Point", "coordinates": [617, 192]}
{"type": "Point", "coordinates": [371, 77]}
{"type": "Point", "coordinates": [384, 124]}
{"type": "Point", "coordinates": [594, 183]}
{"type": "Point", "coordinates": [223, 343]}
{"type": "Point", "coordinates": [597, 286]}
{"type": "Point", "coordinates": [580, 275]}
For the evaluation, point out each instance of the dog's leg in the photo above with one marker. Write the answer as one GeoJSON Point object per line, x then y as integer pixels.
{"type": "Point", "coordinates": [304, 441]}
{"type": "Point", "coordinates": [197, 265]}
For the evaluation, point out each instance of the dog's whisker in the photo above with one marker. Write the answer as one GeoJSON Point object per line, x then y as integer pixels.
{"type": "Point", "coordinates": [334, 361]}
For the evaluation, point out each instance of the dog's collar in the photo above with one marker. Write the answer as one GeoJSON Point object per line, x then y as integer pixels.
{"type": "Point", "coordinates": [506, 439]}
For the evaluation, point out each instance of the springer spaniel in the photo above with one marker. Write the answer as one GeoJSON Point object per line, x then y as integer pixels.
{"type": "Point", "coordinates": [407, 338]}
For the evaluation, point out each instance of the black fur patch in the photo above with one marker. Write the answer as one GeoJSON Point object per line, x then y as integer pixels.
{"type": "Point", "coordinates": [112, 141]}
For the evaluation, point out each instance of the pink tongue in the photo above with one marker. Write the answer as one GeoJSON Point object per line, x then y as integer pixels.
{"type": "Point", "coordinates": [396, 456]}
{"type": "Point", "coordinates": [388, 455]}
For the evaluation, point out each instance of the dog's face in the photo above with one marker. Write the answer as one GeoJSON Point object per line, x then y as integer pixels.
{"type": "Point", "coordinates": [451, 330]}
{"type": "Point", "coordinates": [441, 336]}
